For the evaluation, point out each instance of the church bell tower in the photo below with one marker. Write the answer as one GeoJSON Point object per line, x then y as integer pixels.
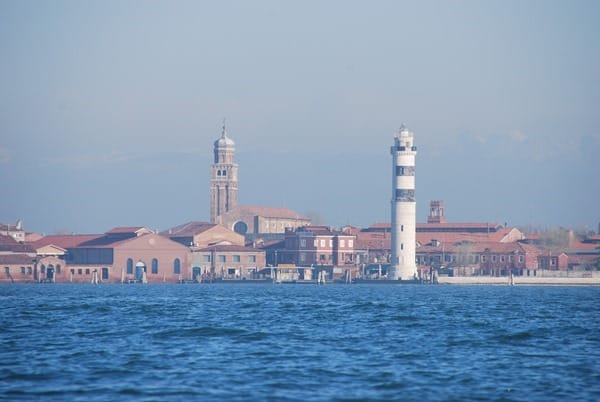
{"type": "Point", "coordinates": [224, 178]}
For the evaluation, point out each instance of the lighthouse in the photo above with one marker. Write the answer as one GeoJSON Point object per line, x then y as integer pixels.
{"type": "Point", "coordinates": [404, 206]}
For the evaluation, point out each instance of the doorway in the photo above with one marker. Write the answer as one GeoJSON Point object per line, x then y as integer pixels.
{"type": "Point", "coordinates": [140, 270]}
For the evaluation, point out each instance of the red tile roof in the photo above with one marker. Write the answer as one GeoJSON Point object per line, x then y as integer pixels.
{"type": "Point", "coordinates": [7, 240]}
{"type": "Point", "coordinates": [188, 229]}
{"type": "Point", "coordinates": [583, 245]}
{"type": "Point", "coordinates": [455, 226]}
{"type": "Point", "coordinates": [8, 244]}
{"type": "Point", "coordinates": [271, 212]}
{"type": "Point", "coordinates": [64, 241]}
{"type": "Point", "coordinates": [127, 229]}
{"type": "Point", "coordinates": [13, 259]}
{"type": "Point", "coordinates": [31, 237]}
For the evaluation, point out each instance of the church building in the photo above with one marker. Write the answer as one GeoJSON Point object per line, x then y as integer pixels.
{"type": "Point", "coordinates": [224, 208]}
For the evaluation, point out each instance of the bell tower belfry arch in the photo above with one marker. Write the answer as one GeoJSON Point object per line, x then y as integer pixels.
{"type": "Point", "coordinates": [224, 177]}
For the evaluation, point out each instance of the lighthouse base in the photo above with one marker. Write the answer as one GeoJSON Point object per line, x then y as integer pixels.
{"type": "Point", "coordinates": [403, 273]}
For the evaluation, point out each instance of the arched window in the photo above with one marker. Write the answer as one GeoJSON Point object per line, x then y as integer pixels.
{"type": "Point", "coordinates": [177, 266]}
{"type": "Point", "coordinates": [154, 266]}
{"type": "Point", "coordinates": [129, 266]}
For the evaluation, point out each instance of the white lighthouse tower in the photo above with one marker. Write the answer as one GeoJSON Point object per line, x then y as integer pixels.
{"type": "Point", "coordinates": [404, 207]}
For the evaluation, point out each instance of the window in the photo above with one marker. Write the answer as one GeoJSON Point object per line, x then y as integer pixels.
{"type": "Point", "coordinates": [43, 269]}
{"type": "Point", "coordinates": [87, 271]}
{"type": "Point", "coordinates": [177, 266]}
{"type": "Point", "coordinates": [224, 172]}
{"type": "Point", "coordinates": [330, 242]}
{"type": "Point", "coordinates": [501, 258]}
{"type": "Point", "coordinates": [29, 271]}
{"type": "Point", "coordinates": [405, 170]}
{"type": "Point", "coordinates": [221, 258]}
{"type": "Point", "coordinates": [401, 246]}
{"type": "Point", "coordinates": [405, 195]}
{"type": "Point", "coordinates": [316, 243]}
{"type": "Point", "coordinates": [493, 258]}
{"type": "Point", "coordinates": [7, 270]}
{"type": "Point", "coordinates": [342, 243]}
{"type": "Point", "coordinates": [104, 273]}
{"type": "Point", "coordinates": [322, 242]}
{"type": "Point", "coordinates": [510, 258]}
{"type": "Point", "coordinates": [80, 271]}
{"type": "Point", "coordinates": [22, 270]}
{"type": "Point", "coordinates": [350, 243]}
{"type": "Point", "coordinates": [58, 268]}
{"type": "Point", "coordinates": [236, 258]}
{"type": "Point", "coordinates": [521, 258]}
{"type": "Point", "coordinates": [154, 266]}
{"type": "Point", "coordinates": [218, 173]}
{"type": "Point", "coordinates": [129, 266]}
{"type": "Point", "coordinates": [240, 227]}
{"type": "Point", "coordinates": [251, 258]}
{"type": "Point", "coordinates": [483, 258]}
{"type": "Point", "coordinates": [402, 228]}
{"type": "Point", "coordinates": [302, 257]}
{"type": "Point", "coordinates": [302, 242]}
{"type": "Point", "coordinates": [206, 258]}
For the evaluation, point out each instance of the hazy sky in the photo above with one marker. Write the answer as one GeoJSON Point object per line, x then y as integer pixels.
{"type": "Point", "coordinates": [108, 110]}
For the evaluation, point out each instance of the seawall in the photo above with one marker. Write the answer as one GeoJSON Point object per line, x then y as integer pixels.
{"type": "Point", "coordinates": [518, 280]}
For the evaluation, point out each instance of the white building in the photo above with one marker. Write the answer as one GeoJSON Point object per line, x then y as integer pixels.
{"type": "Point", "coordinates": [404, 210]}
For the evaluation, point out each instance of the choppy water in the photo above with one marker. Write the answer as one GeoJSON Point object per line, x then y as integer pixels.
{"type": "Point", "coordinates": [308, 343]}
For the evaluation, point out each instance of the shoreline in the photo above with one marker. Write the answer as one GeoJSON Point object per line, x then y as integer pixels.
{"type": "Point", "coordinates": [518, 281]}
{"type": "Point", "coordinates": [443, 280]}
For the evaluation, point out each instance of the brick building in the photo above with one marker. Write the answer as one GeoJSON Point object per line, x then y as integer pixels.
{"type": "Point", "coordinates": [203, 234]}
{"type": "Point", "coordinates": [317, 245]}
{"type": "Point", "coordinates": [121, 254]}
{"type": "Point", "coordinates": [226, 262]}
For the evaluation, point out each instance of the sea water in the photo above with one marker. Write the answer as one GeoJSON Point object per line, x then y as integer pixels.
{"type": "Point", "coordinates": [299, 342]}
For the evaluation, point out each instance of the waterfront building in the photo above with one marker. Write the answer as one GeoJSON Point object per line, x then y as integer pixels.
{"type": "Point", "coordinates": [17, 261]}
{"type": "Point", "coordinates": [15, 231]}
{"type": "Point", "coordinates": [317, 245]}
{"type": "Point", "coordinates": [309, 250]}
{"type": "Point", "coordinates": [226, 261]}
{"type": "Point", "coordinates": [404, 210]}
{"type": "Point", "coordinates": [123, 254]}
{"type": "Point", "coordinates": [203, 234]}
{"type": "Point", "coordinates": [250, 221]}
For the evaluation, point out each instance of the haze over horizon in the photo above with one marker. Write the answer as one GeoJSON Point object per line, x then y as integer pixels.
{"type": "Point", "coordinates": [109, 109]}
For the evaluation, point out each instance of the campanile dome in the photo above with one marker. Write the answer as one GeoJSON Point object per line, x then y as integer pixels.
{"type": "Point", "coordinates": [224, 141]}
